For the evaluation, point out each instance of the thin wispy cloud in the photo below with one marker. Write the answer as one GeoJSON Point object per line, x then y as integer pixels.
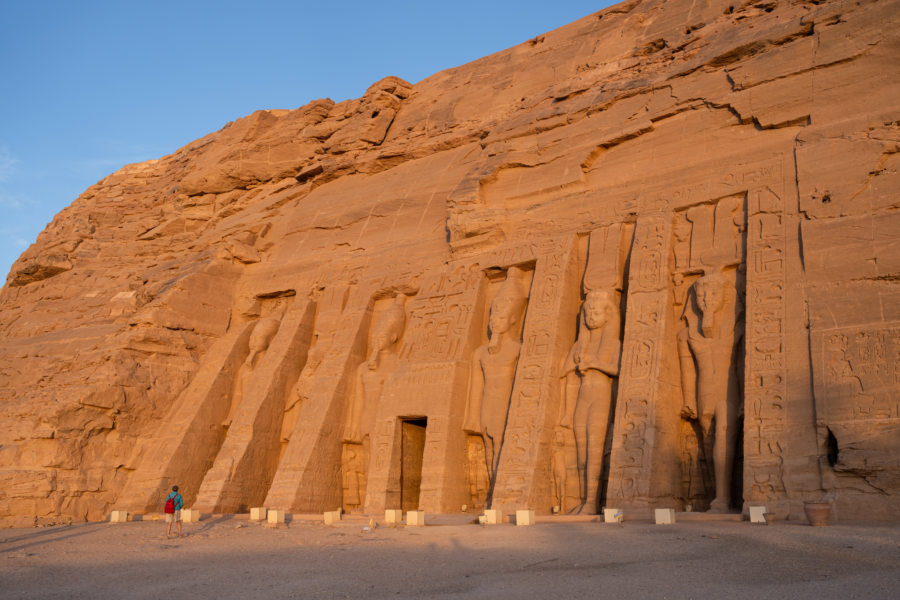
{"type": "Point", "coordinates": [8, 164]}
{"type": "Point", "coordinates": [11, 201]}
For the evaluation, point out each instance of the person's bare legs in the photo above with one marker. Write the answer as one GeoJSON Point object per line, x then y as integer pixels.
{"type": "Point", "coordinates": [179, 527]}
{"type": "Point", "coordinates": [168, 529]}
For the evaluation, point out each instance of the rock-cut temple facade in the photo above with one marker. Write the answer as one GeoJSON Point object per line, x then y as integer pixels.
{"type": "Point", "coordinates": [649, 259]}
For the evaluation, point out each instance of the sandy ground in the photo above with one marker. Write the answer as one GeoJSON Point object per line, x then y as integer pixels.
{"type": "Point", "coordinates": [230, 557]}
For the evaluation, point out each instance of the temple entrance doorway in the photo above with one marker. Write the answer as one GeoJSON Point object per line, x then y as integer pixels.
{"type": "Point", "coordinates": [412, 451]}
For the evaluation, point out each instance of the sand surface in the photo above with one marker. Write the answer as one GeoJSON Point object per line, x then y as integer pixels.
{"type": "Point", "coordinates": [230, 557]}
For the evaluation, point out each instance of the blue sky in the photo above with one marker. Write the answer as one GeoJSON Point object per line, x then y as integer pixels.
{"type": "Point", "coordinates": [89, 86]}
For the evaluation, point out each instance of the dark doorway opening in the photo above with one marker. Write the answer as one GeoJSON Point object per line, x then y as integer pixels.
{"type": "Point", "coordinates": [412, 452]}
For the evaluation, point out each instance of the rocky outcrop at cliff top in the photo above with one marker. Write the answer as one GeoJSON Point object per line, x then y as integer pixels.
{"type": "Point", "coordinates": [643, 109]}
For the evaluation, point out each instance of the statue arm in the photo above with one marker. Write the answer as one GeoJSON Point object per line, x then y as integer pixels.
{"type": "Point", "coordinates": [605, 360]}
{"type": "Point", "coordinates": [472, 421]}
{"type": "Point", "coordinates": [297, 396]}
{"type": "Point", "coordinates": [688, 377]}
{"type": "Point", "coordinates": [570, 383]}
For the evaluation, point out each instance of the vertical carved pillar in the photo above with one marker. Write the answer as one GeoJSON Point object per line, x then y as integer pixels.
{"type": "Point", "coordinates": [244, 467]}
{"type": "Point", "coordinates": [631, 458]}
{"type": "Point", "coordinates": [523, 478]}
{"type": "Point", "coordinates": [308, 477]}
{"type": "Point", "coordinates": [765, 384]}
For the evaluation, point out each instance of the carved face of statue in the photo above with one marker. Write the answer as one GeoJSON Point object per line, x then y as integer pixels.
{"type": "Point", "coordinates": [598, 309]}
{"type": "Point", "coordinates": [710, 292]}
{"type": "Point", "coordinates": [503, 316]}
{"type": "Point", "coordinates": [386, 332]}
{"type": "Point", "coordinates": [262, 334]}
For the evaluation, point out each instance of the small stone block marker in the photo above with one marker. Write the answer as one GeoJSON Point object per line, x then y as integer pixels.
{"type": "Point", "coordinates": [258, 514]}
{"type": "Point", "coordinates": [276, 517]}
{"type": "Point", "coordinates": [190, 515]}
{"type": "Point", "coordinates": [613, 515]}
{"type": "Point", "coordinates": [332, 516]}
{"type": "Point", "coordinates": [665, 516]}
{"type": "Point", "coordinates": [118, 516]}
{"type": "Point", "coordinates": [524, 517]}
{"type": "Point", "coordinates": [415, 518]}
{"type": "Point", "coordinates": [493, 516]}
{"type": "Point", "coordinates": [392, 516]}
{"type": "Point", "coordinates": [756, 514]}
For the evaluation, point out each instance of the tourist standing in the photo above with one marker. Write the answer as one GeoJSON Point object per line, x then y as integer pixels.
{"type": "Point", "coordinates": [174, 503]}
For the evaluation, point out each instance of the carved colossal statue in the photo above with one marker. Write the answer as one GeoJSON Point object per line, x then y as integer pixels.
{"type": "Point", "coordinates": [494, 368]}
{"type": "Point", "coordinates": [363, 402]}
{"type": "Point", "coordinates": [588, 371]}
{"type": "Point", "coordinates": [709, 345]}
{"type": "Point", "coordinates": [260, 338]}
{"type": "Point", "coordinates": [371, 375]}
{"type": "Point", "coordinates": [294, 402]}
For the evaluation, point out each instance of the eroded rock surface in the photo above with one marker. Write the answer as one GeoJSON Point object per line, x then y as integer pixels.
{"type": "Point", "coordinates": [723, 174]}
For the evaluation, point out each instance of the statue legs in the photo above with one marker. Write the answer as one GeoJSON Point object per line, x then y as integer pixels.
{"type": "Point", "coordinates": [591, 420]}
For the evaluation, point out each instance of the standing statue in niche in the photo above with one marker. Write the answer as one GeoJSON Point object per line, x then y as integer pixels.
{"type": "Point", "coordinates": [367, 387]}
{"type": "Point", "coordinates": [588, 371]}
{"type": "Point", "coordinates": [708, 348]}
{"type": "Point", "coordinates": [371, 375]}
{"type": "Point", "coordinates": [494, 368]}
{"type": "Point", "coordinates": [260, 338]}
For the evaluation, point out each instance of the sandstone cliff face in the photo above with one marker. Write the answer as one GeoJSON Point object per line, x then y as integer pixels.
{"type": "Point", "coordinates": [647, 259]}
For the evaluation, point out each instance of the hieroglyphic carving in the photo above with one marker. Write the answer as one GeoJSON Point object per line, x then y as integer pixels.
{"type": "Point", "coordinates": [856, 373]}
{"type": "Point", "coordinates": [439, 316]}
{"type": "Point", "coordinates": [645, 319]}
{"type": "Point", "coordinates": [862, 364]}
{"type": "Point", "coordinates": [765, 385]}
{"type": "Point", "coordinates": [523, 478]}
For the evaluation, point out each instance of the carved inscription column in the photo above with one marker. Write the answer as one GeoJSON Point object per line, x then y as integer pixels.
{"type": "Point", "coordinates": [523, 478]}
{"type": "Point", "coordinates": [765, 384]}
{"type": "Point", "coordinates": [631, 458]}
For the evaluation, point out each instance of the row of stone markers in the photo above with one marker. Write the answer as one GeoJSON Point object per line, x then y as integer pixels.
{"type": "Point", "coordinates": [188, 515]}
{"type": "Point", "coordinates": [275, 518]}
